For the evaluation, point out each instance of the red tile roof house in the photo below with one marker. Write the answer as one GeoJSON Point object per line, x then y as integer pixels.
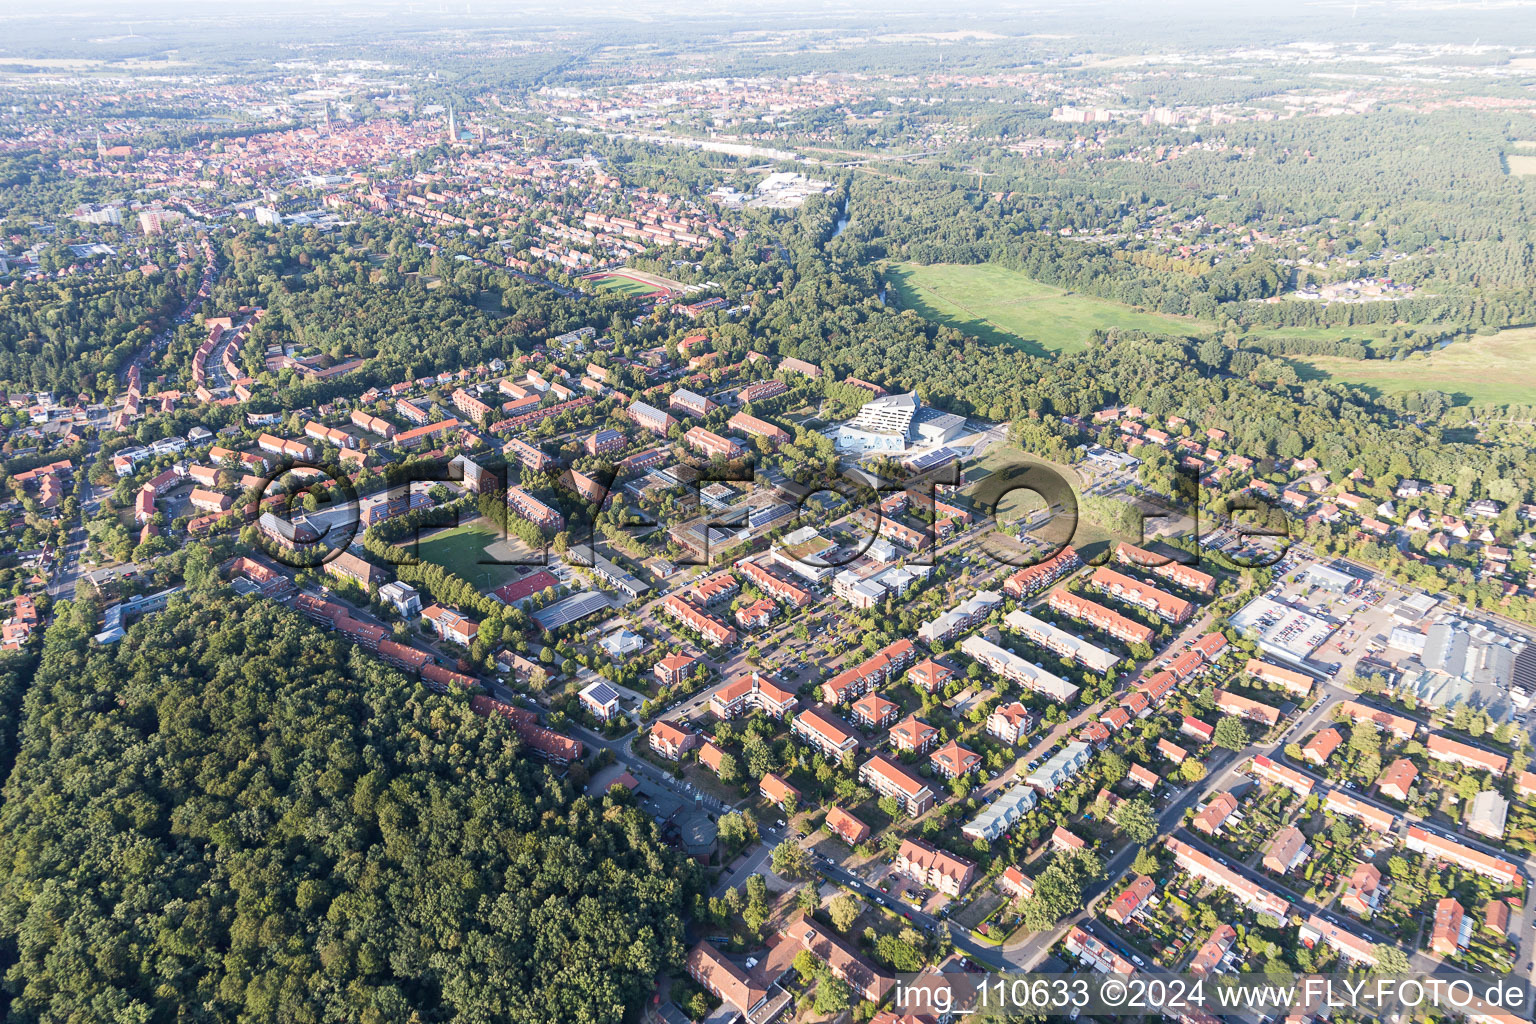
{"type": "Point", "coordinates": [671, 742]}
{"type": "Point", "coordinates": [1211, 816]}
{"type": "Point", "coordinates": [952, 760]}
{"type": "Point", "coordinates": [1130, 900]}
{"type": "Point", "coordinates": [710, 755]}
{"type": "Point", "coordinates": [886, 777]}
{"type": "Point", "coordinates": [1197, 730]}
{"type": "Point", "coordinates": [1009, 722]}
{"type": "Point", "coordinates": [846, 827]}
{"type": "Point", "coordinates": [873, 711]}
{"type": "Point", "coordinates": [934, 867]}
{"type": "Point", "coordinates": [913, 735]}
{"type": "Point", "coordinates": [1143, 777]}
{"type": "Point", "coordinates": [1443, 748]}
{"type": "Point", "coordinates": [1321, 747]}
{"type": "Point", "coordinates": [1398, 779]}
{"type": "Point", "coordinates": [1061, 839]}
{"type": "Point", "coordinates": [1015, 883]}
{"type": "Point", "coordinates": [776, 791]}
{"type": "Point", "coordinates": [1364, 892]}
{"type": "Point", "coordinates": [674, 668]}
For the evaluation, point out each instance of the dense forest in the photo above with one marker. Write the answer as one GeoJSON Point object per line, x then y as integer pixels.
{"type": "Point", "coordinates": [230, 816]}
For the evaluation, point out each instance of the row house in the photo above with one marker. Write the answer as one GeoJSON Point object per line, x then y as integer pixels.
{"type": "Point", "coordinates": [373, 424]}
{"type": "Point", "coordinates": [1278, 774]}
{"type": "Point", "coordinates": [1248, 892]}
{"type": "Point", "coordinates": [1440, 848]}
{"type": "Point", "coordinates": [1160, 603]}
{"type": "Point", "coordinates": [1443, 748]}
{"type": "Point", "coordinates": [1175, 572]}
{"type": "Point", "coordinates": [934, 868]}
{"type": "Point", "coordinates": [1287, 679]}
{"type": "Point", "coordinates": [534, 510]}
{"type": "Point", "coordinates": [283, 448]}
{"type": "Point", "coordinates": [825, 733]}
{"type": "Point", "coordinates": [330, 435]}
{"type": "Point", "coordinates": [415, 438]}
{"type": "Point", "coordinates": [888, 778]}
{"type": "Point", "coordinates": [1236, 704]}
{"type": "Point", "coordinates": [1029, 581]}
{"type": "Point", "coordinates": [1101, 618]}
{"type": "Point", "coordinates": [751, 426]}
{"type": "Point", "coordinates": [707, 626]}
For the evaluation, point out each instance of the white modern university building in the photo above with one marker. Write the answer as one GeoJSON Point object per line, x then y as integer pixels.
{"type": "Point", "coordinates": [895, 423]}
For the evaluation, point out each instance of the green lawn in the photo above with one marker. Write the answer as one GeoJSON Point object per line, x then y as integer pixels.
{"type": "Point", "coordinates": [461, 550]}
{"type": "Point", "coordinates": [1002, 305]}
{"type": "Point", "coordinates": [1499, 368]}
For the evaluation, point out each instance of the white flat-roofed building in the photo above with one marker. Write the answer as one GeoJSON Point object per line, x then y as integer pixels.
{"type": "Point", "coordinates": [1058, 640]}
{"type": "Point", "coordinates": [1063, 764]}
{"type": "Point", "coordinates": [1013, 667]}
{"type": "Point", "coordinates": [998, 816]}
{"type": "Point", "coordinates": [961, 618]}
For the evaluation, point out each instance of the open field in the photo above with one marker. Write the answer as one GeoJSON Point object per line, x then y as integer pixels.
{"type": "Point", "coordinates": [1499, 368]}
{"type": "Point", "coordinates": [1521, 166]}
{"type": "Point", "coordinates": [1005, 306]}
{"type": "Point", "coordinates": [1001, 305]}
{"type": "Point", "coordinates": [462, 551]}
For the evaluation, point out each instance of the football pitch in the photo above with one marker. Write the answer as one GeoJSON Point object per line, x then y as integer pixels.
{"type": "Point", "coordinates": [462, 550]}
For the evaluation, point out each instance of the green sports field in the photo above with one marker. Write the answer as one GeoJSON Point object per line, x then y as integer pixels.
{"type": "Point", "coordinates": [462, 551]}
{"type": "Point", "coordinates": [1498, 368]}
{"type": "Point", "coordinates": [1002, 305]}
{"type": "Point", "coordinates": [622, 286]}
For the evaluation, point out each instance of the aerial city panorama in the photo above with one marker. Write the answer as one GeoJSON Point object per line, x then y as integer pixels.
{"type": "Point", "coordinates": [651, 512]}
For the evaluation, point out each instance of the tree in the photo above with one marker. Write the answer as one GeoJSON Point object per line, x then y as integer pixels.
{"type": "Point", "coordinates": [1191, 770]}
{"type": "Point", "coordinates": [1146, 862]}
{"type": "Point", "coordinates": [1113, 766]}
{"type": "Point", "coordinates": [790, 860]}
{"type": "Point", "coordinates": [1231, 733]}
{"type": "Point", "coordinates": [832, 995]}
{"type": "Point", "coordinates": [1137, 820]}
{"type": "Point", "coordinates": [844, 910]}
{"type": "Point", "coordinates": [1390, 959]}
{"type": "Point", "coordinates": [730, 770]}
{"type": "Point", "coordinates": [408, 782]}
